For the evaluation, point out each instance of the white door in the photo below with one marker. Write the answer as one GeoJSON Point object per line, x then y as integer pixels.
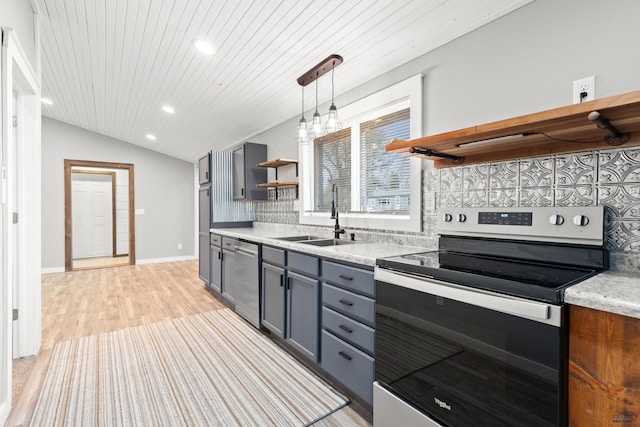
{"type": "Point", "coordinates": [92, 215]}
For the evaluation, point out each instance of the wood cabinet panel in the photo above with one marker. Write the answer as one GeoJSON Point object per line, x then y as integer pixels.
{"type": "Point", "coordinates": [604, 368]}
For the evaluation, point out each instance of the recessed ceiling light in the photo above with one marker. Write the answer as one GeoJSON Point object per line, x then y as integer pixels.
{"type": "Point", "coordinates": [203, 46]}
{"type": "Point", "coordinates": [46, 101]}
{"type": "Point", "coordinates": [151, 137]}
{"type": "Point", "coordinates": [168, 109]}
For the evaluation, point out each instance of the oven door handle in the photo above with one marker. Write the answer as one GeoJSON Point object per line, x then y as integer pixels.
{"type": "Point", "coordinates": [533, 310]}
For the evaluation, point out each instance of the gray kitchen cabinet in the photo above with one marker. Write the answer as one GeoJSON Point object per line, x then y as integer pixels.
{"type": "Point", "coordinates": [246, 173]}
{"type": "Point", "coordinates": [291, 299]}
{"type": "Point", "coordinates": [228, 269]}
{"type": "Point", "coordinates": [204, 169]}
{"type": "Point", "coordinates": [215, 280]}
{"type": "Point", "coordinates": [303, 314]}
{"type": "Point", "coordinates": [273, 296]}
{"type": "Point", "coordinates": [348, 327]}
{"type": "Point", "coordinates": [203, 257]}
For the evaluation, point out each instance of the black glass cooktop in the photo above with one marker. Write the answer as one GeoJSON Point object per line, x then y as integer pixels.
{"type": "Point", "coordinates": [530, 276]}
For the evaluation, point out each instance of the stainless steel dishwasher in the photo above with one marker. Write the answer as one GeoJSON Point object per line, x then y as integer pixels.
{"type": "Point", "coordinates": [247, 282]}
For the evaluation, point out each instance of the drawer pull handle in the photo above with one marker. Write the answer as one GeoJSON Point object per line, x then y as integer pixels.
{"type": "Point", "coordinates": [342, 276]}
{"type": "Point", "coordinates": [345, 355]}
{"type": "Point", "coordinates": [345, 302]}
{"type": "Point", "coordinates": [281, 280]}
{"type": "Point", "coordinates": [346, 329]}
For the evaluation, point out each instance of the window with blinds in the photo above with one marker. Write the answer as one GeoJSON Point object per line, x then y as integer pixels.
{"type": "Point", "coordinates": [332, 158]}
{"type": "Point", "coordinates": [384, 177]}
{"type": "Point", "coordinates": [377, 190]}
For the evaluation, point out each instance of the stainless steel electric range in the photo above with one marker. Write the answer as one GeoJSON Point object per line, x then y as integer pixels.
{"type": "Point", "coordinates": [474, 333]}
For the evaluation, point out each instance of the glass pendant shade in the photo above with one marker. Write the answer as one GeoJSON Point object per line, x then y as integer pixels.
{"type": "Point", "coordinates": [333, 124]}
{"type": "Point", "coordinates": [316, 130]}
{"type": "Point", "coordinates": [302, 137]}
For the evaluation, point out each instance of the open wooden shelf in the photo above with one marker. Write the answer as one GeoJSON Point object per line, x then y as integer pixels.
{"type": "Point", "coordinates": [557, 131]}
{"type": "Point", "coordinates": [278, 184]}
{"type": "Point", "coordinates": [277, 163]}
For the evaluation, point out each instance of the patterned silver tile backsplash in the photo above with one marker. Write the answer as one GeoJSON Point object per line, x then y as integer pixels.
{"type": "Point", "coordinates": [280, 209]}
{"type": "Point", "coordinates": [610, 178]}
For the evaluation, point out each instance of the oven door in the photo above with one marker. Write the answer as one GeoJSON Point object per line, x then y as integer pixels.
{"type": "Point", "coordinates": [467, 357]}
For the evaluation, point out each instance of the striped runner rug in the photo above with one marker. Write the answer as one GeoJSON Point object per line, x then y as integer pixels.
{"type": "Point", "coordinates": [209, 369]}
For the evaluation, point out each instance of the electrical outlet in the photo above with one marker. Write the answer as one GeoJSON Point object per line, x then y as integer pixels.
{"type": "Point", "coordinates": [586, 85]}
{"type": "Point", "coordinates": [179, 245]}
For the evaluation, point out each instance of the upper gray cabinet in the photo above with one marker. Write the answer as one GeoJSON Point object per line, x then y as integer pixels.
{"type": "Point", "coordinates": [204, 169]}
{"type": "Point", "coordinates": [246, 174]}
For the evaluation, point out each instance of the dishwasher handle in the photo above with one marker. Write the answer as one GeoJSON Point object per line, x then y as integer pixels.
{"type": "Point", "coordinates": [248, 252]}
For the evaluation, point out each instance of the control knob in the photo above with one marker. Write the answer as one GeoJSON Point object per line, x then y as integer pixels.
{"type": "Point", "coordinates": [581, 220]}
{"type": "Point", "coordinates": [462, 217]}
{"type": "Point", "coordinates": [447, 217]}
{"type": "Point", "coordinates": [556, 219]}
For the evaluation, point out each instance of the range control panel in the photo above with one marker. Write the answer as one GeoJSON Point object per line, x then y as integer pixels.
{"type": "Point", "coordinates": [583, 225]}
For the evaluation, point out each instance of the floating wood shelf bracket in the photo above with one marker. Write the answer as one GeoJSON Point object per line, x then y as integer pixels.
{"type": "Point", "coordinates": [614, 137]}
{"type": "Point", "coordinates": [428, 152]}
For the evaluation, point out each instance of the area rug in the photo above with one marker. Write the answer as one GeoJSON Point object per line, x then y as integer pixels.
{"type": "Point", "coordinates": [209, 369]}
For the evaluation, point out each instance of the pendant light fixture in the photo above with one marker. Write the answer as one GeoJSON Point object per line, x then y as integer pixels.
{"type": "Point", "coordinates": [316, 124]}
{"type": "Point", "coordinates": [302, 136]}
{"type": "Point", "coordinates": [333, 123]}
{"type": "Point", "coordinates": [316, 129]}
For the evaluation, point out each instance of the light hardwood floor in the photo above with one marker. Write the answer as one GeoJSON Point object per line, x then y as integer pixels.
{"type": "Point", "coordinates": [90, 302]}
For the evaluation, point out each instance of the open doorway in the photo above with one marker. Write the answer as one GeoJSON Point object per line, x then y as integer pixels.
{"type": "Point", "coordinates": [99, 214]}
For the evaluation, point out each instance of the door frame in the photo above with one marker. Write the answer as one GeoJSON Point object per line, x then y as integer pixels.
{"type": "Point", "coordinates": [68, 225]}
{"type": "Point", "coordinates": [113, 202]}
{"type": "Point", "coordinates": [20, 158]}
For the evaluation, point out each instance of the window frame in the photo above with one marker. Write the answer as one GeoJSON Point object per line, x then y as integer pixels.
{"type": "Point", "coordinates": [407, 93]}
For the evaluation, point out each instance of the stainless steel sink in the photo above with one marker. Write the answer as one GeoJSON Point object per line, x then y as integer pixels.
{"type": "Point", "coordinates": [299, 238]}
{"type": "Point", "coordinates": [327, 242]}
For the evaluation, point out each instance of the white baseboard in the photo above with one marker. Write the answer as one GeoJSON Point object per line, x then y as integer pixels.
{"type": "Point", "coordinates": [52, 270]}
{"type": "Point", "coordinates": [159, 260]}
{"type": "Point", "coordinates": [138, 261]}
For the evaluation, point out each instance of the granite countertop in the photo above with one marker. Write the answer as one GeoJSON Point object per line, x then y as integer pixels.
{"type": "Point", "coordinates": [613, 291]}
{"type": "Point", "coordinates": [358, 252]}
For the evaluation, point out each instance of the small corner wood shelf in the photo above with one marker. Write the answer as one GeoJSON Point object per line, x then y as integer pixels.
{"type": "Point", "coordinates": [277, 163]}
{"type": "Point", "coordinates": [557, 131]}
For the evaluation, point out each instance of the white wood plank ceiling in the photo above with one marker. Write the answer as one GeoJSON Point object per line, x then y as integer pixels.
{"type": "Point", "coordinates": [109, 65]}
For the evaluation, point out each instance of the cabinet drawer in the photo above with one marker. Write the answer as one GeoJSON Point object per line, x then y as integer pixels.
{"type": "Point", "coordinates": [273, 255]}
{"type": "Point", "coordinates": [353, 305]}
{"type": "Point", "coordinates": [350, 366]}
{"type": "Point", "coordinates": [355, 333]}
{"type": "Point", "coordinates": [352, 278]}
{"type": "Point", "coordinates": [305, 264]}
{"type": "Point", "coordinates": [229, 243]}
{"type": "Point", "coordinates": [215, 239]}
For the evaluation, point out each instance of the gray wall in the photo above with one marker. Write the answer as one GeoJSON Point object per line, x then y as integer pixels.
{"type": "Point", "coordinates": [521, 63]}
{"type": "Point", "coordinates": [18, 15]}
{"type": "Point", "coordinates": [163, 188]}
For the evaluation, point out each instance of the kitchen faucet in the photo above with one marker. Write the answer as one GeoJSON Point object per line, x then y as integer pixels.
{"type": "Point", "coordinates": [337, 231]}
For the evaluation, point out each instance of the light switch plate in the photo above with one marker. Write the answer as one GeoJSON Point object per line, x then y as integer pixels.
{"type": "Point", "coordinates": [139, 211]}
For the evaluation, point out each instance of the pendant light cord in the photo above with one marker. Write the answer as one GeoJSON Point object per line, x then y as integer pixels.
{"type": "Point", "coordinates": [316, 92]}
{"type": "Point", "coordinates": [333, 68]}
{"type": "Point", "coordinates": [303, 102]}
